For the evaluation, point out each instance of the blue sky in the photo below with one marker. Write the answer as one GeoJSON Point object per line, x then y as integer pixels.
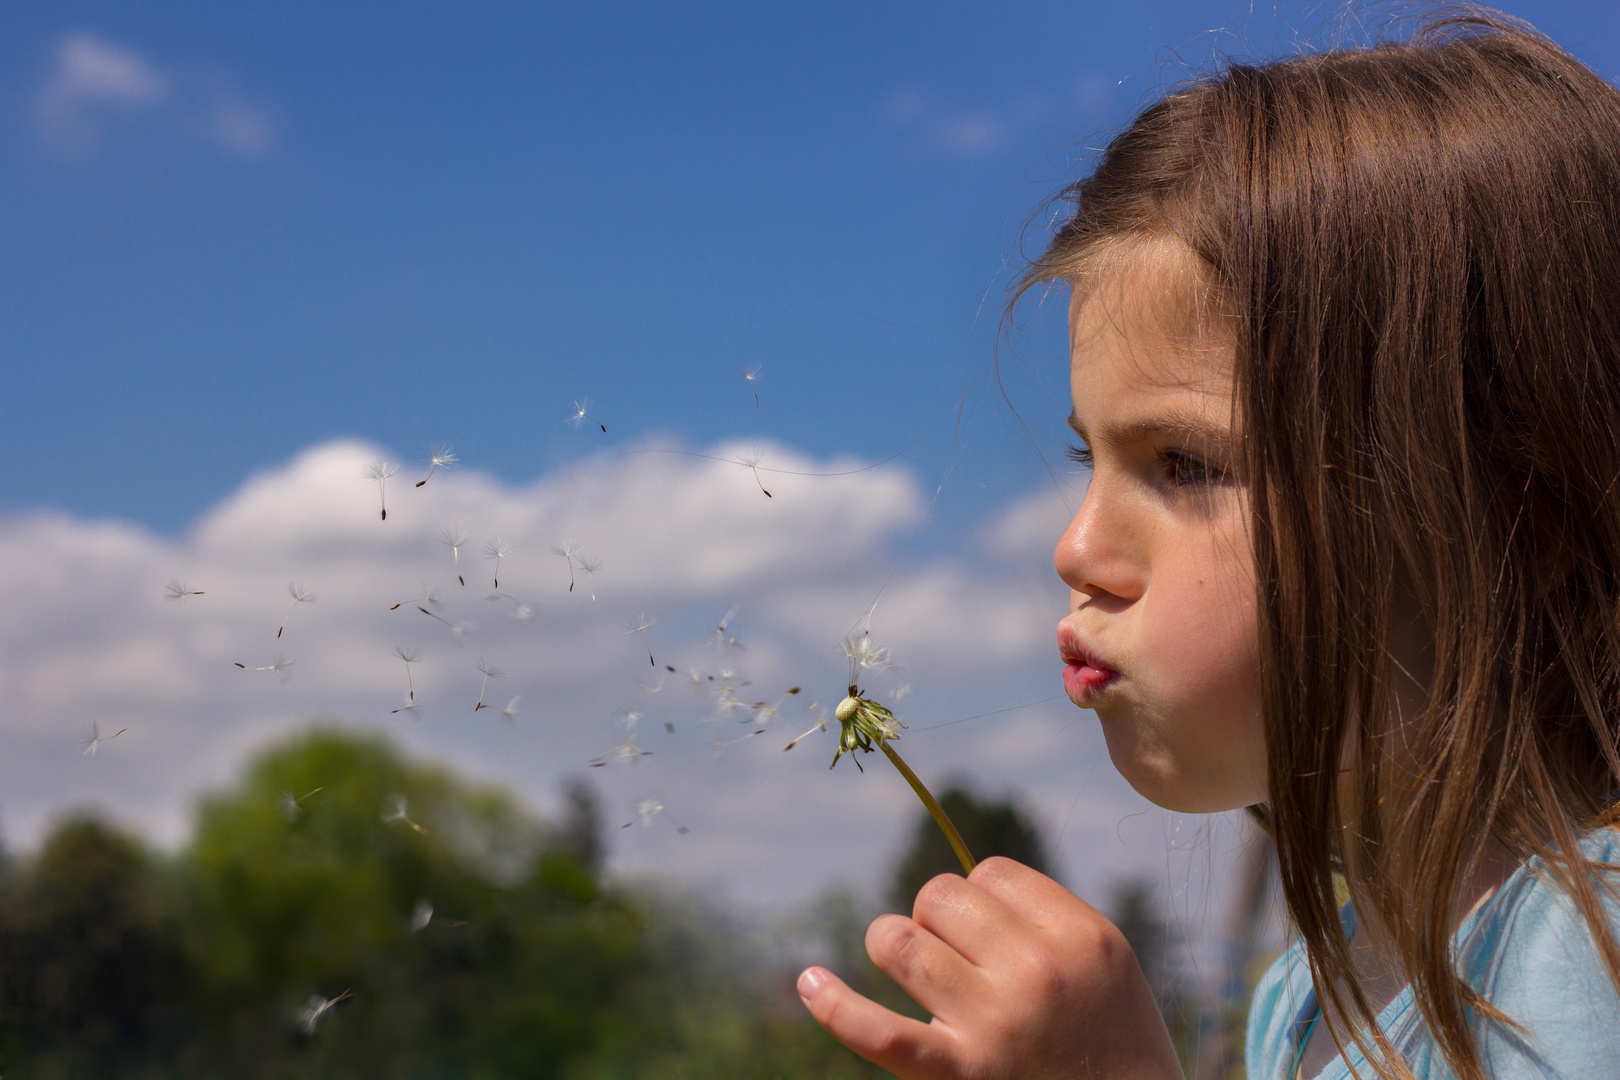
{"type": "Point", "coordinates": [411, 222]}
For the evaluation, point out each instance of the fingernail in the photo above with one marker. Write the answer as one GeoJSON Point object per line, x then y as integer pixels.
{"type": "Point", "coordinates": [810, 982]}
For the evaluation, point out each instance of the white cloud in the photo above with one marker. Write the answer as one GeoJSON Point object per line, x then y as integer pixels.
{"type": "Point", "coordinates": [88, 637]}
{"type": "Point", "coordinates": [92, 77]}
{"type": "Point", "coordinates": [92, 81]}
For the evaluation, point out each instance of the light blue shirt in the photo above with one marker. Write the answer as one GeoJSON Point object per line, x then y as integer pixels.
{"type": "Point", "coordinates": [1526, 949]}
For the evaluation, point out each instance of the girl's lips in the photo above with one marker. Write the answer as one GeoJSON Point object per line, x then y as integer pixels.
{"type": "Point", "coordinates": [1084, 677]}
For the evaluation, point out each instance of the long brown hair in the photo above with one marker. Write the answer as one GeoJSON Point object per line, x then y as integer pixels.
{"type": "Point", "coordinates": [1420, 244]}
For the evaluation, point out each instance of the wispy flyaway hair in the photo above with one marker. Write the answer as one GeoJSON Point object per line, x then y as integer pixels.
{"type": "Point", "coordinates": [1418, 243]}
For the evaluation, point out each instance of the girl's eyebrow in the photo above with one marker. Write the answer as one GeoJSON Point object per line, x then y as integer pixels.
{"type": "Point", "coordinates": [1177, 426]}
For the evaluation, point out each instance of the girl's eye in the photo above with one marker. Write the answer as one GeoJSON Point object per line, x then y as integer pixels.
{"type": "Point", "coordinates": [1185, 469]}
{"type": "Point", "coordinates": [1080, 455]}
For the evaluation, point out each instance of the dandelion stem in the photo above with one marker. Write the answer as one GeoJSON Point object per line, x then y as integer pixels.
{"type": "Point", "coordinates": [935, 811]}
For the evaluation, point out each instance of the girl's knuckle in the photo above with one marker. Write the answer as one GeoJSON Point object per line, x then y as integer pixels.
{"type": "Point", "coordinates": [890, 939]}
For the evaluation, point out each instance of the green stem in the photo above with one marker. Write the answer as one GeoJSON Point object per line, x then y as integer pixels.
{"type": "Point", "coordinates": [938, 812]}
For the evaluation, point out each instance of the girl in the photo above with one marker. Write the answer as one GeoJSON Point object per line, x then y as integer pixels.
{"type": "Point", "coordinates": [1345, 338]}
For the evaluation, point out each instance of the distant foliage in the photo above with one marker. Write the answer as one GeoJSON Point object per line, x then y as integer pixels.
{"type": "Point", "coordinates": [476, 942]}
{"type": "Point", "coordinates": [988, 827]}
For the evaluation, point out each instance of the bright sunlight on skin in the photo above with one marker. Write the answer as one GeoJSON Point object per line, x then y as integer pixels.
{"type": "Point", "coordinates": [1161, 638]}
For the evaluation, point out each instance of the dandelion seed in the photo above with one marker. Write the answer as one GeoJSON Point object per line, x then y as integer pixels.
{"type": "Point", "coordinates": [410, 656]}
{"type": "Point", "coordinates": [750, 461]}
{"type": "Point", "coordinates": [497, 551]}
{"type": "Point", "coordinates": [521, 612]}
{"type": "Point", "coordinates": [300, 595]}
{"type": "Point", "coordinates": [421, 915]}
{"type": "Point", "coordinates": [567, 551]}
{"type": "Point", "coordinates": [591, 566]}
{"type": "Point", "coordinates": [282, 667]}
{"type": "Point", "coordinates": [457, 630]}
{"type": "Point", "coordinates": [454, 539]}
{"type": "Point", "coordinates": [439, 457]}
{"type": "Point", "coordinates": [290, 805]}
{"type": "Point", "coordinates": [396, 811]}
{"type": "Point", "coordinates": [750, 375]}
{"type": "Point", "coordinates": [640, 626]}
{"type": "Point", "coordinates": [720, 746]}
{"type": "Point", "coordinates": [720, 639]}
{"type": "Point", "coordinates": [430, 596]}
{"type": "Point", "coordinates": [380, 471]}
{"type": "Point", "coordinates": [318, 1007]}
{"type": "Point", "coordinates": [176, 590]}
{"type": "Point", "coordinates": [89, 745]}
{"type": "Point", "coordinates": [627, 751]}
{"type": "Point", "coordinates": [410, 705]}
{"type": "Point", "coordinates": [766, 711]}
{"type": "Point", "coordinates": [819, 725]}
{"type": "Point", "coordinates": [490, 672]}
{"type": "Point", "coordinates": [651, 807]}
{"type": "Point", "coordinates": [509, 714]}
{"type": "Point", "coordinates": [580, 415]}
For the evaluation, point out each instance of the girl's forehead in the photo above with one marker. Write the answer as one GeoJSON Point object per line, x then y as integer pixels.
{"type": "Point", "coordinates": [1146, 314]}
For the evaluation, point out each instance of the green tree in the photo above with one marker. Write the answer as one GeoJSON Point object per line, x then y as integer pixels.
{"type": "Point", "coordinates": [988, 827]}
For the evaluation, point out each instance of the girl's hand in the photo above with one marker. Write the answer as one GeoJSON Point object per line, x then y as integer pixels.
{"type": "Point", "coordinates": [1023, 978]}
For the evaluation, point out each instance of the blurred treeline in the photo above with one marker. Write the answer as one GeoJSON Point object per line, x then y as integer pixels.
{"type": "Point", "coordinates": [474, 941]}
{"type": "Point", "coordinates": [477, 942]}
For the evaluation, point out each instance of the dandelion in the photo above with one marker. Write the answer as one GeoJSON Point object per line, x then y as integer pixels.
{"type": "Point", "coordinates": [282, 667]}
{"type": "Point", "coordinates": [454, 539]}
{"type": "Point", "coordinates": [457, 630]}
{"type": "Point", "coordinates": [421, 915]}
{"type": "Point", "coordinates": [628, 751]}
{"type": "Point", "coordinates": [509, 714]}
{"type": "Point", "coordinates": [409, 705]}
{"type": "Point", "coordinates": [865, 724]}
{"type": "Point", "coordinates": [490, 672]}
{"type": "Point", "coordinates": [380, 471]}
{"type": "Point", "coordinates": [521, 612]}
{"type": "Point", "coordinates": [497, 551]}
{"type": "Point", "coordinates": [580, 415]}
{"type": "Point", "coordinates": [89, 745]}
{"type": "Point", "coordinates": [396, 811]}
{"type": "Point", "coordinates": [439, 457]}
{"type": "Point", "coordinates": [568, 550]}
{"type": "Point", "coordinates": [300, 595]}
{"type": "Point", "coordinates": [750, 461]}
{"type": "Point", "coordinates": [651, 807]}
{"type": "Point", "coordinates": [430, 596]}
{"type": "Point", "coordinates": [318, 1007]}
{"type": "Point", "coordinates": [290, 805]}
{"type": "Point", "coordinates": [591, 566]}
{"type": "Point", "coordinates": [410, 656]}
{"type": "Point", "coordinates": [750, 375]}
{"type": "Point", "coordinates": [641, 626]}
{"type": "Point", "coordinates": [176, 590]}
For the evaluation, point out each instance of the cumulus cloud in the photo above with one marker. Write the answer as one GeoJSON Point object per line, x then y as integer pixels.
{"type": "Point", "coordinates": [88, 636]}
{"type": "Point", "coordinates": [94, 82]}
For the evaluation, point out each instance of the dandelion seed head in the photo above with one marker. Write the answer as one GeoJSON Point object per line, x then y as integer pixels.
{"type": "Point", "coordinates": [441, 456]}
{"type": "Point", "coordinates": [299, 593]}
{"type": "Point", "coordinates": [509, 713]}
{"type": "Point", "coordinates": [287, 805]}
{"type": "Point", "coordinates": [453, 538]}
{"type": "Point", "coordinates": [581, 412]}
{"type": "Point", "coordinates": [177, 590]}
{"type": "Point", "coordinates": [421, 915]}
{"type": "Point", "coordinates": [410, 656]}
{"type": "Point", "coordinates": [490, 671]}
{"type": "Point", "coordinates": [395, 809]}
{"type": "Point", "coordinates": [642, 623]}
{"type": "Point", "coordinates": [380, 470]}
{"type": "Point", "coordinates": [497, 549]}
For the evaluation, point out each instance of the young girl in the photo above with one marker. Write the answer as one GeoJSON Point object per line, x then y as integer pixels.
{"type": "Point", "coordinates": [1345, 341]}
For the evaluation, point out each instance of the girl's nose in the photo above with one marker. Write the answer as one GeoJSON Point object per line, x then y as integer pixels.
{"type": "Point", "coordinates": [1095, 555]}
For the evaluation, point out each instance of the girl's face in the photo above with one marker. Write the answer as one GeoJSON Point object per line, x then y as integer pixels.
{"type": "Point", "coordinates": [1161, 638]}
